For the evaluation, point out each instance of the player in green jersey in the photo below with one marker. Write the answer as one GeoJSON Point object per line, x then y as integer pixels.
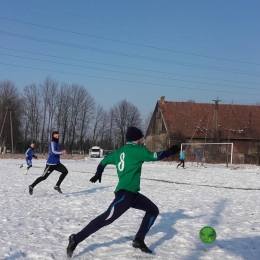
{"type": "Point", "coordinates": [128, 161]}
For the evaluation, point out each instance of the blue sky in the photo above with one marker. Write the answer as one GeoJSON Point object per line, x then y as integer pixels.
{"type": "Point", "coordinates": [135, 50]}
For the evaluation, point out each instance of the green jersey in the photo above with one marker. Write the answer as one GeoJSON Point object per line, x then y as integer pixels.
{"type": "Point", "coordinates": [128, 161]}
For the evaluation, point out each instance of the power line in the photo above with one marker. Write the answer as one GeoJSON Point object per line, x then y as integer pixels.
{"type": "Point", "coordinates": [130, 81]}
{"type": "Point", "coordinates": [121, 31]}
{"type": "Point", "coordinates": [127, 67]}
{"type": "Point", "coordinates": [128, 55]}
{"type": "Point", "coordinates": [146, 36]}
{"type": "Point", "coordinates": [242, 102]}
{"type": "Point", "coordinates": [129, 73]}
{"type": "Point", "coordinates": [130, 43]}
{"type": "Point", "coordinates": [126, 25]}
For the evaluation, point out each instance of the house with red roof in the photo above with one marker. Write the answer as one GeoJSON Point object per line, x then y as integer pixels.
{"type": "Point", "coordinates": [190, 122]}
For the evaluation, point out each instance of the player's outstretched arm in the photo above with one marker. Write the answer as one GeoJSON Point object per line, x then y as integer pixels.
{"type": "Point", "coordinates": [172, 150]}
{"type": "Point", "coordinates": [98, 174]}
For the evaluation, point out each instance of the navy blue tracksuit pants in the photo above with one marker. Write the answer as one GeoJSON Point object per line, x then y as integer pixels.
{"type": "Point", "coordinates": [122, 202]}
{"type": "Point", "coordinates": [48, 170]}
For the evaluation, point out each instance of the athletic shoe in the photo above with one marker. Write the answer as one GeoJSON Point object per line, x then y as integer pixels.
{"type": "Point", "coordinates": [72, 245]}
{"type": "Point", "coordinates": [25, 173]}
{"type": "Point", "coordinates": [138, 243]}
{"type": "Point", "coordinates": [31, 190]}
{"type": "Point", "coordinates": [57, 188]}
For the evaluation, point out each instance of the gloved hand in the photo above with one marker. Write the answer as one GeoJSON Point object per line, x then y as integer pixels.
{"type": "Point", "coordinates": [95, 178]}
{"type": "Point", "coordinates": [175, 149]}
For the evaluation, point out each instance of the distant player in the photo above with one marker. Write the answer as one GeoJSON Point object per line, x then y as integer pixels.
{"type": "Point", "coordinates": [128, 161]}
{"type": "Point", "coordinates": [53, 164]}
{"type": "Point", "coordinates": [203, 160]}
{"type": "Point", "coordinates": [182, 159]}
{"type": "Point", "coordinates": [29, 155]}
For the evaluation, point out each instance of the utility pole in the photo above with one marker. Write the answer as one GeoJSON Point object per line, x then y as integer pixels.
{"type": "Point", "coordinates": [229, 126]}
{"type": "Point", "coordinates": [215, 119]}
{"type": "Point", "coordinates": [8, 108]}
{"type": "Point", "coordinates": [3, 125]}
{"type": "Point", "coordinates": [11, 125]}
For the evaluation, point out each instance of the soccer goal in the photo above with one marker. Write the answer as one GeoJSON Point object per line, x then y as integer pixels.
{"type": "Point", "coordinates": [209, 152]}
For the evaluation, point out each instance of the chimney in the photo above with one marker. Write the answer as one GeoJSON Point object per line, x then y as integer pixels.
{"type": "Point", "coordinates": [162, 99]}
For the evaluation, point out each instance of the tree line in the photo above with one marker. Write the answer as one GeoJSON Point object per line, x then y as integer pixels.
{"type": "Point", "coordinates": [32, 114]}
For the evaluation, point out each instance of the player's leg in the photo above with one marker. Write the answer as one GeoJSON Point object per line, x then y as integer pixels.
{"type": "Point", "coordinates": [47, 171]}
{"type": "Point", "coordinates": [122, 202]}
{"type": "Point", "coordinates": [179, 164]}
{"type": "Point", "coordinates": [151, 213]}
{"type": "Point", "coordinates": [29, 165]}
{"type": "Point", "coordinates": [64, 171]}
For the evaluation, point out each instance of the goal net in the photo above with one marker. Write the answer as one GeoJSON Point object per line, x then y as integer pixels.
{"type": "Point", "coordinates": [209, 152]}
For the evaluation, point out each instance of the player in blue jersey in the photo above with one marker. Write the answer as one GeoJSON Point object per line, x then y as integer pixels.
{"type": "Point", "coordinates": [29, 154]}
{"type": "Point", "coordinates": [52, 164]}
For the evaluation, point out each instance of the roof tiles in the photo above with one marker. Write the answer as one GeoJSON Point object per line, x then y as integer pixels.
{"type": "Point", "coordinates": [200, 119]}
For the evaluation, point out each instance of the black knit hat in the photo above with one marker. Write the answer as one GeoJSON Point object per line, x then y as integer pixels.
{"type": "Point", "coordinates": [133, 134]}
{"type": "Point", "coordinates": [55, 132]}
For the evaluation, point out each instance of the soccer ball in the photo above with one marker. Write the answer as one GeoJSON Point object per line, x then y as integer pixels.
{"type": "Point", "coordinates": [208, 235]}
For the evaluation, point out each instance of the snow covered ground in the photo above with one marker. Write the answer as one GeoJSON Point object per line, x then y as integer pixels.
{"type": "Point", "coordinates": [38, 226]}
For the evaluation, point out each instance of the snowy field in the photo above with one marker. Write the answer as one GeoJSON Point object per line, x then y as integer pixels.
{"type": "Point", "coordinates": [38, 226]}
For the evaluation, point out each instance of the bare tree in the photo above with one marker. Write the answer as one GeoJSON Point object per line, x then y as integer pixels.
{"type": "Point", "coordinates": [11, 111]}
{"type": "Point", "coordinates": [32, 112]}
{"type": "Point", "coordinates": [110, 131]}
{"type": "Point", "coordinates": [45, 107]}
{"type": "Point", "coordinates": [85, 117]}
{"type": "Point", "coordinates": [104, 131]}
{"type": "Point", "coordinates": [124, 114]}
{"type": "Point", "coordinates": [49, 90]}
{"type": "Point", "coordinates": [64, 111]}
{"type": "Point", "coordinates": [80, 101]}
{"type": "Point", "coordinates": [99, 125]}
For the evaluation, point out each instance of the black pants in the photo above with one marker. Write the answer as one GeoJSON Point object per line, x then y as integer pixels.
{"type": "Point", "coordinates": [122, 202]}
{"type": "Point", "coordinates": [48, 170]}
{"type": "Point", "coordinates": [182, 162]}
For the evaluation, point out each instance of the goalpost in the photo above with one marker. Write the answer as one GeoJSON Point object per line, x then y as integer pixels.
{"type": "Point", "coordinates": [211, 152]}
